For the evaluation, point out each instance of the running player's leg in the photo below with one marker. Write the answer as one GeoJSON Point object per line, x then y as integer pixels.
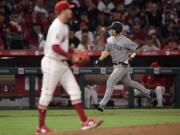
{"type": "Point", "coordinates": [133, 84]}
{"type": "Point", "coordinates": [115, 76]}
{"type": "Point", "coordinates": [49, 83]}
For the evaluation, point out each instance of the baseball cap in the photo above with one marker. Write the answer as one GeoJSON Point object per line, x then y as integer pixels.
{"type": "Point", "coordinates": [63, 5]}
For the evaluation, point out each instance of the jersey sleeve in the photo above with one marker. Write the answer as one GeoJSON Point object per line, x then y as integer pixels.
{"type": "Point", "coordinates": [110, 41]}
{"type": "Point", "coordinates": [131, 45]}
{"type": "Point", "coordinates": [57, 36]}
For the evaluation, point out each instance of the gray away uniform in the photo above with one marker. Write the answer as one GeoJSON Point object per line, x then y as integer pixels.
{"type": "Point", "coordinates": [119, 47]}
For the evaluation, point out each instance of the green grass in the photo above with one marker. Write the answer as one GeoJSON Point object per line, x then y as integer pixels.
{"type": "Point", "coordinates": [24, 122]}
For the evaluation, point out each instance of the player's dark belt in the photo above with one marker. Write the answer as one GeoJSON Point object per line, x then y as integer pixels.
{"type": "Point", "coordinates": [120, 63]}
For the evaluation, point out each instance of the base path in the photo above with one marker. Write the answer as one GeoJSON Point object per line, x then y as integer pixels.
{"type": "Point", "coordinates": [165, 129]}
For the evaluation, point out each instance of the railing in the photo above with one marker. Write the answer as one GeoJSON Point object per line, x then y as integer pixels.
{"type": "Point", "coordinates": [12, 53]}
{"type": "Point", "coordinates": [33, 72]}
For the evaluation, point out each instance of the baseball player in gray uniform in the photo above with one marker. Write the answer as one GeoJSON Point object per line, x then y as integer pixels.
{"type": "Point", "coordinates": [119, 47]}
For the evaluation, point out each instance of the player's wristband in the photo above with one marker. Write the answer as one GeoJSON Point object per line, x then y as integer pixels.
{"type": "Point", "coordinates": [125, 62]}
{"type": "Point", "coordinates": [97, 62]}
{"type": "Point", "coordinates": [133, 55]}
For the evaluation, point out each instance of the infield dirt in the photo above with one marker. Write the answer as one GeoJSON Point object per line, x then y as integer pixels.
{"type": "Point", "coordinates": [166, 129]}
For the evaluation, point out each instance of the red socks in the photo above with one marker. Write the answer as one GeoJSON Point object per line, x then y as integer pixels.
{"type": "Point", "coordinates": [42, 115]}
{"type": "Point", "coordinates": [78, 107]}
{"type": "Point", "coordinates": [80, 111]}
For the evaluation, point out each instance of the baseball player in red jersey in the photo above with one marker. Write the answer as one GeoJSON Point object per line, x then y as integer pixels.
{"type": "Point", "coordinates": [156, 83]}
{"type": "Point", "coordinates": [56, 70]}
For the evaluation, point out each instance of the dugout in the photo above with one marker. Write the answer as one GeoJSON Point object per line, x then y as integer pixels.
{"type": "Point", "coordinates": [31, 73]}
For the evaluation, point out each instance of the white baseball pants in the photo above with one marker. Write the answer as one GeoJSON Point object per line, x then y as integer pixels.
{"type": "Point", "coordinates": [54, 72]}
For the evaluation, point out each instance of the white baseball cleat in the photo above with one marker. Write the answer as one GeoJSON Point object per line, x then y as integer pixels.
{"type": "Point", "coordinates": [43, 130]}
{"type": "Point", "coordinates": [90, 123]}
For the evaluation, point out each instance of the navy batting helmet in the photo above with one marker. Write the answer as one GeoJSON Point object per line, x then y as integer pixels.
{"type": "Point", "coordinates": [117, 26]}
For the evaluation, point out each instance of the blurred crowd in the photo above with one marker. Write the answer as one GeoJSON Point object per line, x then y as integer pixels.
{"type": "Point", "coordinates": [154, 24]}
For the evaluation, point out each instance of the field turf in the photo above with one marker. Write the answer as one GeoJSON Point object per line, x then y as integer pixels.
{"type": "Point", "coordinates": [24, 122]}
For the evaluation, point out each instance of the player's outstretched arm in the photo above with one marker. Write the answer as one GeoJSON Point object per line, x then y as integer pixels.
{"type": "Point", "coordinates": [133, 49]}
{"type": "Point", "coordinates": [103, 56]}
{"type": "Point", "coordinates": [134, 52]}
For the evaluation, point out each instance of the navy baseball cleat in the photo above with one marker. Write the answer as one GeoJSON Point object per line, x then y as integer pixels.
{"type": "Point", "coordinates": [99, 107]}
